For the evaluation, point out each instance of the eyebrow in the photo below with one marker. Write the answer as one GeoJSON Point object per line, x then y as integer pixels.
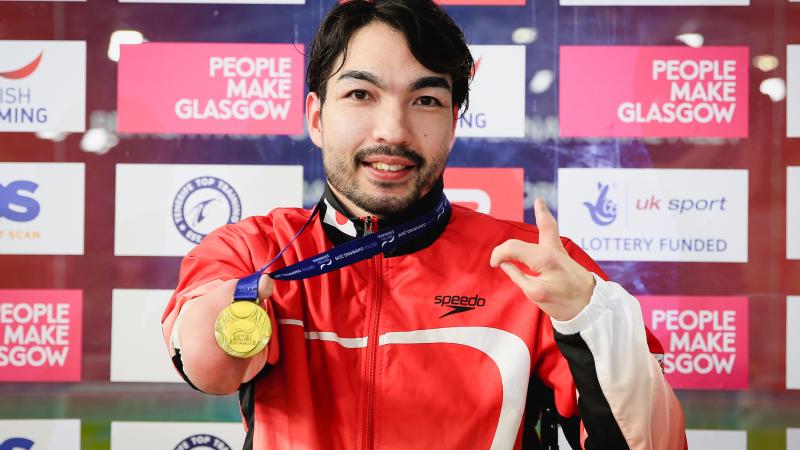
{"type": "Point", "coordinates": [360, 75]}
{"type": "Point", "coordinates": [419, 83]}
{"type": "Point", "coordinates": [432, 82]}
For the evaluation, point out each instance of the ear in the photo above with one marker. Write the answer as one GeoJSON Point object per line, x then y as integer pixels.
{"type": "Point", "coordinates": [314, 118]}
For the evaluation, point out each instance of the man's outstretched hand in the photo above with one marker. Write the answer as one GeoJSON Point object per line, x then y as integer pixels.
{"type": "Point", "coordinates": [559, 286]}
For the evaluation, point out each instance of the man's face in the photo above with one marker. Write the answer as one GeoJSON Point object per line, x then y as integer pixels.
{"type": "Point", "coordinates": [386, 126]}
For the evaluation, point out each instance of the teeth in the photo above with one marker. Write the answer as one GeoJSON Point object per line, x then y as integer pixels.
{"type": "Point", "coordinates": [388, 167]}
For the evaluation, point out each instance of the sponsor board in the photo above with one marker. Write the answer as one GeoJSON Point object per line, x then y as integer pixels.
{"type": "Point", "coordinates": [793, 212]}
{"type": "Point", "coordinates": [793, 91]}
{"type": "Point", "coordinates": [138, 351]}
{"type": "Point", "coordinates": [626, 91]}
{"type": "Point", "coordinates": [177, 435]}
{"type": "Point", "coordinates": [41, 208]}
{"type": "Point", "coordinates": [497, 192]}
{"type": "Point", "coordinates": [792, 342]}
{"type": "Point", "coordinates": [717, 439]}
{"type": "Point", "coordinates": [43, 86]}
{"type": "Point", "coordinates": [705, 339]}
{"type": "Point", "coordinates": [166, 209]}
{"type": "Point", "coordinates": [222, 2]}
{"type": "Point", "coordinates": [655, 214]}
{"type": "Point", "coordinates": [217, 88]}
{"type": "Point", "coordinates": [482, 2]}
{"type": "Point", "coordinates": [496, 93]}
{"type": "Point", "coordinates": [40, 334]}
{"type": "Point", "coordinates": [654, 2]}
{"type": "Point", "coordinates": [40, 434]}
{"type": "Point", "coordinates": [698, 439]}
{"type": "Point", "coordinates": [793, 436]}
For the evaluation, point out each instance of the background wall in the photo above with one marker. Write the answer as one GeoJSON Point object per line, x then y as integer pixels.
{"type": "Point", "coordinates": [82, 242]}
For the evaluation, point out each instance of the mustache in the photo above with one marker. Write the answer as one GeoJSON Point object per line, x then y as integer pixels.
{"type": "Point", "coordinates": [386, 150]}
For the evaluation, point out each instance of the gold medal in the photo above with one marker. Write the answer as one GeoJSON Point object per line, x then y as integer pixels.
{"type": "Point", "coordinates": [243, 329]}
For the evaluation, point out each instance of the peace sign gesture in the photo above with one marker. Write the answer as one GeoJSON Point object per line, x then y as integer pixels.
{"type": "Point", "coordinates": [559, 286]}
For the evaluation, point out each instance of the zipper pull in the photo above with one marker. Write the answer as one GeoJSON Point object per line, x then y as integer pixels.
{"type": "Point", "coordinates": [370, 224]}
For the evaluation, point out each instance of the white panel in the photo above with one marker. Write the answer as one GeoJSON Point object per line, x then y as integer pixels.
{"type": "Point", "coordinates": [793, 91]}
{"type": "Point", "coordinates": [222, 2]}
{"type": "Point", "coordinates": [716, 440]}
{"type": "Point", "coordinates": [655, 214]}
{"type": "Point", "coordinates": [654, 2]}
{"type": "Point", "coordinates": [48, 91]}
{"type": "Point", "coordinates": [793, 212]}
{"type": "Point", "coordinates": [41, 208]}
{"type": "Point", "coordinates": [154, 200]}
{"type": "Point", "coordinates": [793, 436]}
{"type": "Point", "coordinates": [793, 342]}
{"type": "Point", "coordinates": [175, 435]}
{"type": "Point", "coordinates": [138, 351]}
{"type": "Point", "coordinates": [700, 440]}
{"type": "Point", "coordinates": [62, 434]}
{"type": "Point", "coordinates": [496, 93]}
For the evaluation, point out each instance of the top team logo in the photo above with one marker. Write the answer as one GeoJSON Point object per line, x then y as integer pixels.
{"type": "Point", "coordinates": [16, 443]}
{"type": "Point", "coordinates": [202, 442]}
{"type": "Point", "coordinates": [202, 205]}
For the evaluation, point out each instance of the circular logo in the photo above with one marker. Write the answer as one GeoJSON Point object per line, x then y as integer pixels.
{"type": "Point", "coordinates": [203, 441]}
{"type": "Point", "coordinates": [202, 205]}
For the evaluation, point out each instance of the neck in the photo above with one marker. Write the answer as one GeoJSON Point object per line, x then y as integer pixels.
{"type": "Point", "coordinates": [343, 222]}
{"type": "Point", "coordinates": [423, 204]}
{"type": "Point", "coordinates": [349, 208]}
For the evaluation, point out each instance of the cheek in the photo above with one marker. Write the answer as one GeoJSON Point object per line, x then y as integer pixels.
{"type": "Point", "coordinates": [342, 128]}
{"type": "Point", "coordinates": [435, 128]}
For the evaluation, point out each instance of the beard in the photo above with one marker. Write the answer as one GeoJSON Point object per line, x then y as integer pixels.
{"type": "Point", "coordinates": [341, 174]}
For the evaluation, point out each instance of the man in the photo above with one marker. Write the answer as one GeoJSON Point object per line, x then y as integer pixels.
{"type": "Point", "coordinates": [457, 336]}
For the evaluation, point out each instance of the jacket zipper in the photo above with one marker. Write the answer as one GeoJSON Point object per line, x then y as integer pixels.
{"type": "Point", "coordinates": [370, 226]}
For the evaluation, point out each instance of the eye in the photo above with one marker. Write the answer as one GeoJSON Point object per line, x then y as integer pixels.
{"type": "Point", "coordinates": [427, 100]}
{"type": "Point", "coordinates": [359, 94]}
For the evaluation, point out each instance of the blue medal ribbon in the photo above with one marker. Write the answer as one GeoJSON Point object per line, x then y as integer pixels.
{"type": "Point", "coordinates": [342, 255]}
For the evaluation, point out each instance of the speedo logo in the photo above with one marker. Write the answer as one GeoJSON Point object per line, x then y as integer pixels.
{"type": "Point", "coordinates": [458, 303]}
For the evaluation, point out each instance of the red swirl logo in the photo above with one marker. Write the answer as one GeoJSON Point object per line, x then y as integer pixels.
{"type": "Point", "coordinates": [23, 71]}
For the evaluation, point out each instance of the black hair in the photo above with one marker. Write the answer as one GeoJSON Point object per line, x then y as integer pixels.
{"type": "Point", "coordinates": [432, 36]}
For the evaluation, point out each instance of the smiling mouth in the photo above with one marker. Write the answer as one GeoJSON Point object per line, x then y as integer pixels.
{"type": "Point", "coordinates": [384, 164]}
{"type": "Point", "coordinates": [387, 167]}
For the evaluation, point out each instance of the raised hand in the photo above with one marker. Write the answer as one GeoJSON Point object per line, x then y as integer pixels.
{"type": "Point", "coordinates": [559, 286]}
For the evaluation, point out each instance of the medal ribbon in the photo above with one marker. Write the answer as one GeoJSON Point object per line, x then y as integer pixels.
{"type": "Point", "coordinates": [342, 255]}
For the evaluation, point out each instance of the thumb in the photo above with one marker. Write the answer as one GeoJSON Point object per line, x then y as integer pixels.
{"type": "Point", "coordinates": [264, 287]}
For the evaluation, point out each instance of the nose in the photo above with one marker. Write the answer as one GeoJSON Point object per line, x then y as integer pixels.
{"type": "Point", "coordinates": [392, 124]}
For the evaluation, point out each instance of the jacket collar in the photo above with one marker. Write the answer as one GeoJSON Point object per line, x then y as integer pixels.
{"type": "Point", "coordinates": [342, 226]}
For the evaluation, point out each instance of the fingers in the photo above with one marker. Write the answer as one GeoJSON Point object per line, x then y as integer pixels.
{"type": "Point", "coordinates": [529, 285]}
{"type": "Point", "coordinates": [515, 250]}
{"type": "Point", "coordinates": [548, 227]}
{"type": "Point", "coordinates": [264, 287]}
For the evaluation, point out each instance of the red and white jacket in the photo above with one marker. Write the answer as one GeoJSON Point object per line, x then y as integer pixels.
{"type": "Point", "coordinates": [429, 347]}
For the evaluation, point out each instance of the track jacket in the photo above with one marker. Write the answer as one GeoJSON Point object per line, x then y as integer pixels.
{"type": "Point", "coordinates": [429, 347]}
